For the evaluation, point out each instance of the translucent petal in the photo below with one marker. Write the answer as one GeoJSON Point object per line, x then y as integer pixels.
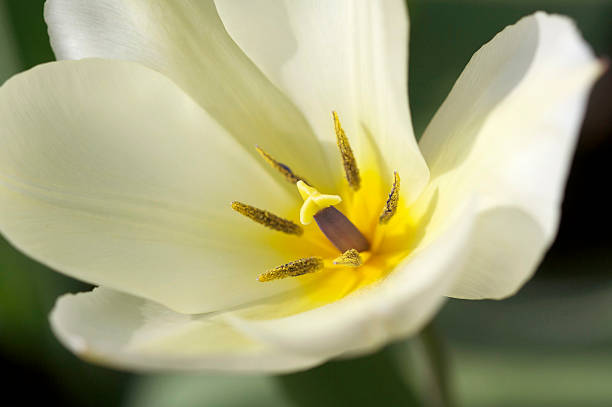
{"type": "Point", "coordinates": [122, 331]}
{"type": "Point", "coordinates": [110, 173]}
{"type": "Point", "coordinates": [347, 55]}
{"type": "Point", "coordinates": [186, 41]}
{"type": "Point", "coordinates": [506, 133]}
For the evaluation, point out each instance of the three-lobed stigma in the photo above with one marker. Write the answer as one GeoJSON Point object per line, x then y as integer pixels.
{"type": "Point", "coordinates": [314, 202]}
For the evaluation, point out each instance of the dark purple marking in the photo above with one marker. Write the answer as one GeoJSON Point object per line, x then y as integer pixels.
{"type": "Point", "coordinates": [340, 231]}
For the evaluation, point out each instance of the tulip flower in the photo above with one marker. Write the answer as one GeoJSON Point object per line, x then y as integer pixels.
{"type": "Point", "coordinates": [242, 182]}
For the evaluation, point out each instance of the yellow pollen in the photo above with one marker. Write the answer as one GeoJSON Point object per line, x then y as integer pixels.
{"type": "Point", "coordinates": [348, 159]}
{"type": "Point", "coordinates": [314, 201]}
{"type": "Point", "coordinates": [350, 257]}
{"type": "Point", "coordinates": [392, 201]}
{"type": "Point", "coordinates": [267, 219]}
{"type": "Point", "coordinates": [280, 167]}
{"type": "Point", "coordinates": [293, 269]}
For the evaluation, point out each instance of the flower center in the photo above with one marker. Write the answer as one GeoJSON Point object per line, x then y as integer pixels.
{"type": "Point", "coordinates": [354, 248]}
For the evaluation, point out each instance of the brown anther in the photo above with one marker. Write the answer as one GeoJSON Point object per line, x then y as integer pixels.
{"type": "Point", "coordinates": [268, 219]}
{"type": "Point", "coordinates": [350, 257]}
{"type": "Point", "coordinates": [392, 201]}
{"type": "Point", "coordinates": [348, 158]}
{"type": "Point", "coordinates": [280, 167]}
{"type": "Point", "coordinates": [293, 269]}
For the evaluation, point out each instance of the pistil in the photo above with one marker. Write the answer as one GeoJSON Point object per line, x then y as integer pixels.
{"type": "Point", "coordinates": [338, 229]}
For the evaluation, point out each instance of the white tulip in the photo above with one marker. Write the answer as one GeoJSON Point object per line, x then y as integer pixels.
{"type": "Point", "coordinates": [119, 165]}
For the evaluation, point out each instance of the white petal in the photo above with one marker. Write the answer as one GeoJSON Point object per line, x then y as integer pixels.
{"type": "Point", "coordinates": [506, 132]}
{"type": "Point", "coordinates": [113, 175]}
{"type": "Point", "coordinates": [396, 307]}
{"type": "Point", "coordinates": [119, 330]}
{"type": "Point", "coordinates": [188, 43]}
{"type": "Point", "coordinates": [507, 246]}
{"type": "Point", "coordinates": [344, 55]}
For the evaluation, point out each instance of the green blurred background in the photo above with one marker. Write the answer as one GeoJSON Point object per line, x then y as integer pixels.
{"type": "Point", "coordinates": [550, 345]}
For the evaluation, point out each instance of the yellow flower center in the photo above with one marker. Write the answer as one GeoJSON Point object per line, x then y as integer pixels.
{"type": "Point", "coordinates": [361, 234]}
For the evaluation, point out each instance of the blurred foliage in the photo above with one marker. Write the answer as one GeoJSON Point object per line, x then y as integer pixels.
{"type": "Point", "coordinates": [551, 345]}
{"type": "Point", "coordinates": [365, 381]}
{"type": "Point", "coordinates": [29, 30]}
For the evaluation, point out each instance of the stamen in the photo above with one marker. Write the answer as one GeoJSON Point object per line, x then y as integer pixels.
{"type": "Point", "coordinates": [280, 167]}
{"type": "Point", "coordinates": [292, 269]}
{"type": "Point", "coordinates": [392, 201]}
{"type": "Point", "coordinates": [350, 257]}
{"type": "Point", "coordinates": [267, 219]}
{"type": "Point", "coordinates": [348, 159]}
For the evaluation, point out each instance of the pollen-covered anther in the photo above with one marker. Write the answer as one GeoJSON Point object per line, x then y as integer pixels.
{"type": "Point", "coordinates": [280, 167]}
{"type": "Point", "coordinates": [350, 257]}
{"type": "Point", "coordinates": [392, 201]}
{"type": "Point", "coordinates": [348, 158]}
{"type": "Point", "coordinates": [293, 269]}
{"type": "Point", "coordinates": [267, 219]}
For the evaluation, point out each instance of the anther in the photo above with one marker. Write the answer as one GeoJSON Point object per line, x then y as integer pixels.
{"type": "Point", "coordinates": [267, 219]}
{"type": "Point", "coordinates": [280, 167]}
{"type": "Point", "coordinates": [350, 257]}
{"type": "Point", "coordinates": [293, 269]}
{"type": "Point", "coordinates": [348, 159]}
{"type": "Point", "coordinates": [392, 201]}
